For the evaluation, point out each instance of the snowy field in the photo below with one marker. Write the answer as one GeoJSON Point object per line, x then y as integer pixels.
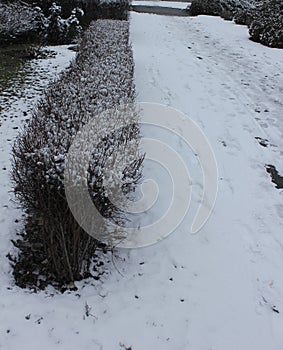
{"type": "Point", "coordinates": [219, 289]}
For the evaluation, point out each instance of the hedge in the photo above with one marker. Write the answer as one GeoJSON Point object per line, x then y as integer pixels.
{"type": "Point", "coordinates": [100, 79]}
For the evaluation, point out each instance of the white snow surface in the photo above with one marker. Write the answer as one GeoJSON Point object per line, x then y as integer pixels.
{"type": "Point", "coordinates": [230, 272]}
{"type": "Point", "coordinates": [171, 4]}
{"type": "Point", "coordinates": [213, 290]}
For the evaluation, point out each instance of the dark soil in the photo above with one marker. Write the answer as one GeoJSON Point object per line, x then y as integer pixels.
{"type": "Point", "coordinates": [262, 142]}
{"type": "Point", "coordinates": [275, 177]}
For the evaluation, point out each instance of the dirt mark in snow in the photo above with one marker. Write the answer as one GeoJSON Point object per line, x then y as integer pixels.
{"type": "Point", "coordinates": [275, 177]}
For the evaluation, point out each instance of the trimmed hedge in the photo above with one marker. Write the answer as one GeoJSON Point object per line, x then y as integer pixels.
{"type": "Point", "coordinates": [100, 78]}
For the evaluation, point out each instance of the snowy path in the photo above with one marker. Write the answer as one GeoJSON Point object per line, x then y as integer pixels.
{"type": "Point", "coordinates": [232, 88]}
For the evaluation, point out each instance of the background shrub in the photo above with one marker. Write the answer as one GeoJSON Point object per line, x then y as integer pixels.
{"type": "Point", "coordinates": [62, 31]}
{"type": "Point", "coordinates": [224, 8]}
{"type": "Point", "coordinates": [103, 9]}
{"type": "Point", "coordinates": [20, 23]}
{"type": "Point", "coordinates": [267, 24]}
{"type": "Point", "coordinates": [264, 17]}
{"type": "Point", "coordinates": [93, 9]}
{"type": "Point", "coordinates": [54, 22]}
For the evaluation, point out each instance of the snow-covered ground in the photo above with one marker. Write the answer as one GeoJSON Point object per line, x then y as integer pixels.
{"type": "Point", "coordinates": [219, 289]}
{"type": "Point", "coordinates": [230, 273]}
{"type": "Point", "coordinates": [171, 4]}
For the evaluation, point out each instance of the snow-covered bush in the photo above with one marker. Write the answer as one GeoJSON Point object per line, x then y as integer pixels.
{"type": "Point", "coordinates": [227, 9]}
{"type": "Point", "coordinates": [93, 9]}
{"type": "Point", "coordinates": [100, 79]}
{"type": "Point", "coordinates": [245, 17]}
{"type": "Point", "coordinates": [62, 31]}
{"type": "Point", "coordinates": [267, 24]}
{"type": "Point", "coordinates": [206, 7]}
{"type": "Point", "coordinates": [20, 23]}
{"type": "Point", "coordinates": [55, 22]}
{"type": "Point", "coordinates": [103, 9]}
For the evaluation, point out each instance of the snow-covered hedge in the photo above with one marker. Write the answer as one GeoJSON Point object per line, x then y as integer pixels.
{"type": "Point", "coordinates": [224, 8]}
{"type": "Point", "coordinates": [267, 24]}
{"type": "Point", "coordinates": [99, 79]}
